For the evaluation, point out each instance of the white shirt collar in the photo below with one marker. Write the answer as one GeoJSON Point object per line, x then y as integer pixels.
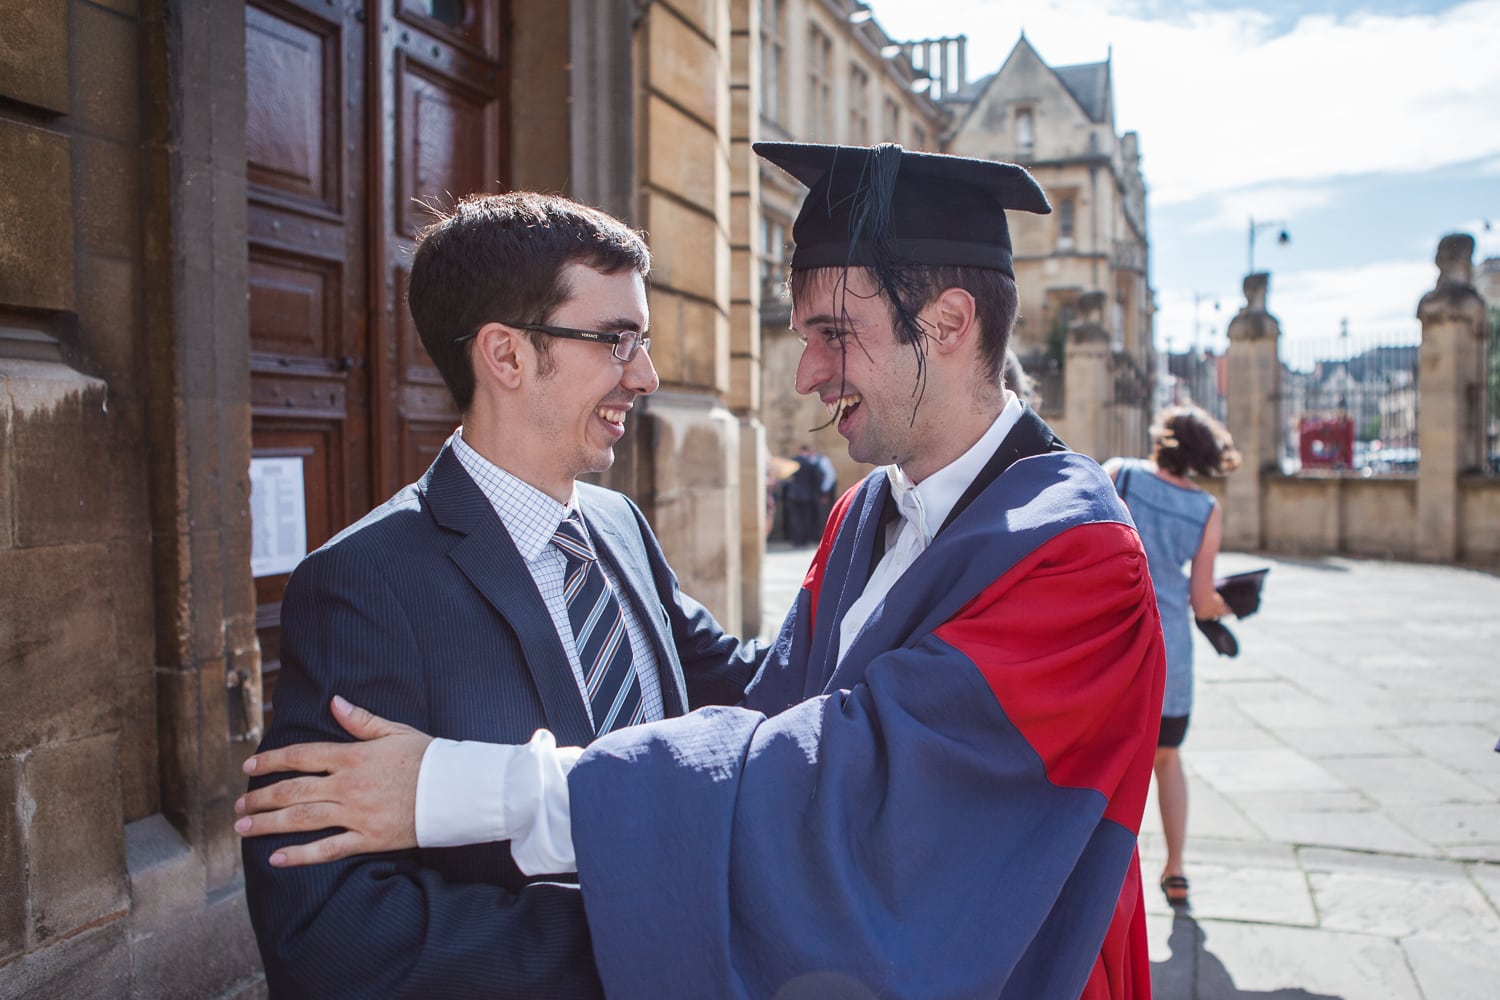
{"type": "Point", "coordinates": [926, 505]}
{"type": "Point", "coordinates": [529, 515]}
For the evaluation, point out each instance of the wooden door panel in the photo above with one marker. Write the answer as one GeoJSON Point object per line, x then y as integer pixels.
{"type": "Point", "coordinates": [293, 309]}
{"type": "Point", "coordinates": [446, 137]}
{"type": "Point", "coordinates": [422, 438]}
{"type": "Point", "coordinates": [292, 123]}
{"type": "Point", "coordinates": [414, 362]}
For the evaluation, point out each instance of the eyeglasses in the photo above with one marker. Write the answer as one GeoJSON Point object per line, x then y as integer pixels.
{"type": "Point", "coordinates": [626, 342]}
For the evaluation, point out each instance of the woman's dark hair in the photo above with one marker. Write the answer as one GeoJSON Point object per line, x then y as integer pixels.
{"type": "Point", "coordinates": [1187, 440]}
{"type": "Point", "coordinates": [500, 258]}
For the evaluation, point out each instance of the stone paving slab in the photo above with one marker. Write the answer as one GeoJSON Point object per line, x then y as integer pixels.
{"type": "Point", "coordinates": [1364, 830]}
{"type": "Point", "coordinates": [1449, 971]}
{"type": "Point", "coordinates": [1487, 878]}
{"type": "Point", "coordinates": [1399, 897]}
{"type": "Point", "coordinates": [1322, 744]}
{"type": "Point", "coordinates": [1406, 780]}
{"type": "Point", "coordinates": [1244, 961]}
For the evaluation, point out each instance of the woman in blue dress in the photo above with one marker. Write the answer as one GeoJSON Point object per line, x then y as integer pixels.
{"type": "Point", "coordinates": [1179, 523]}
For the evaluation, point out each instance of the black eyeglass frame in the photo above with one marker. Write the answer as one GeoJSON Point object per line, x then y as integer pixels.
{"type": "Point", "coordinates": [592, 336]}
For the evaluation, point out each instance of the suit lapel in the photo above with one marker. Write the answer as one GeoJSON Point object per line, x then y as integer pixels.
{"type": "Point", "coordinates": [490, 560]}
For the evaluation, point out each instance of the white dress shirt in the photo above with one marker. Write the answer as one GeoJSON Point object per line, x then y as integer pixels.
{"type": "Point", "coordinates": [469, 793]}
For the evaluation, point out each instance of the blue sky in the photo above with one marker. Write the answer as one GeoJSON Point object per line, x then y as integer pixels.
{"type": "Point", "coordinates": [1371, 129]}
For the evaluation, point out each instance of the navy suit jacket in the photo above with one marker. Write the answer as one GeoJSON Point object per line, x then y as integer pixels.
{"type": "Point", "coordinates": [424, 612]}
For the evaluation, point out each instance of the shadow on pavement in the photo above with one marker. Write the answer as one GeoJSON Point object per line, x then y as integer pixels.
{"type": "Point", "coordinates": [1309, 562]}
{"type": "Point", "coordinates": [1195, 973]}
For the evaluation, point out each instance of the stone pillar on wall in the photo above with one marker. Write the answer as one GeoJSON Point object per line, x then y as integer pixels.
{"type": "Point", "coordinates": [688, 476]}
{"type": "Point", "coordinates": [744, 308]}
{"type": "Point", "coordinates": [1449, 386]}
{"type": "Point", "coordinates": [1254, 413]}
{"type": "Point", "coordinates": [1086, 385]}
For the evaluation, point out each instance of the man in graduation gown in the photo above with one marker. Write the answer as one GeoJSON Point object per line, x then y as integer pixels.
{"type": "Point", "coordinates": [934, 786]}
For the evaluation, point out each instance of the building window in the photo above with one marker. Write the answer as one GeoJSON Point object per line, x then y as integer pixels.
{"type": "Point", "coordinates": [820, 86]}
{"type": "Point", "coordinates": [892, 124]}
{"type": "Point", "coordinates": [918, 137]}
{"type": "Point", "coordinates": [772, 259]}
{"type": "Point", "coordinates": [859, 106]}
{"type": "Point", "coordinates": [1065, 215]}
{"type": "Point", "coordinates": [772, 48]}
{"type": "Point", "coordinates": [1025, 133]}
{"type": "Point", "coordinates": [453, 13]}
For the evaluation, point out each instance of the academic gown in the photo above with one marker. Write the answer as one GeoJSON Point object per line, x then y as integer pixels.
{"type": "Point", "coordinates": [951, 812]}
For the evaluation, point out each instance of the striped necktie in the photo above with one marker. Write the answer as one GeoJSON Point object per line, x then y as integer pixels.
{"type": "Point", "coordinates": [614, 692]}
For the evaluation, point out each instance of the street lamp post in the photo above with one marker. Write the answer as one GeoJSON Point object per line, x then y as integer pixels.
{"type": "Point", "coordinates": [1283, 237]}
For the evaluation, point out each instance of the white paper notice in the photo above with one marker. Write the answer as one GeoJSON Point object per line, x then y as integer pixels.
{"type": "Point", "coordinates": [278, 515]}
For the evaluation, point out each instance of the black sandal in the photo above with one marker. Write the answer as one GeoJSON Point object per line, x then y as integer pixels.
{"type": "Point", "coordinates": [1175, 888]}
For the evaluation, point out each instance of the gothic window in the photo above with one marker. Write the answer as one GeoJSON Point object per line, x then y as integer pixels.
{"type": "Point", "coordinates": [772, 47]}
{"type": "Point", "coordinates": [859, 106]}
{"type": "Point", "coordinates": [820, 86]}
{"type": "Point", "coordinates": [1025, 133]}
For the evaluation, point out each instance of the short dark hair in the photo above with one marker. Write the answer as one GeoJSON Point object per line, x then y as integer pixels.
{"type": "Point", "coordinates": [500, 258]}
{"type": "Point", "coordinates": [1186, 439]}
{"type": "Point", "coordinates": [996, 304]}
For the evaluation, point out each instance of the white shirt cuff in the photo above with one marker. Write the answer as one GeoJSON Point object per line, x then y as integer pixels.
{"type": "Point", "coordinates": [475, 793]}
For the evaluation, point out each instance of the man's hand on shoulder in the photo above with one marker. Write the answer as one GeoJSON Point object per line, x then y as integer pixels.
{"type": "Point", "coordinates": [368, 788]}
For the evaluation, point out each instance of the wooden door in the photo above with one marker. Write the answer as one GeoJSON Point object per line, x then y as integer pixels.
{"type": "Point", "coordinates": [444, 95]}
{"type": "Point", "coordinates": [307, 185]}
{"type": "Point", "coordinates": [357, 114]}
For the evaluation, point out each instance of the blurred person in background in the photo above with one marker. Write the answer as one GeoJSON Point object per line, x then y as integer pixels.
{"type": "Point", "coordinates": [1178, 522]}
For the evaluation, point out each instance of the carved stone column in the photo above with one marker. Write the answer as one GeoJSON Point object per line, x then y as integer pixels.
{"type": "Point", "coordinates": [1449, 394]}
{"type": "Point", "coordinates": [1086, 376]}
{"type": "Point", "coordinates": [1254, 413]}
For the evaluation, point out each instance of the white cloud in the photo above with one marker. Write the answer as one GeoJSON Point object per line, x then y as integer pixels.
{"type": "Point", "coordinates": [1222, 101]}
{"type": "Point", "coordinates": [1233, 210]}
{"type": "Point", "coordinates": [1256, 120]}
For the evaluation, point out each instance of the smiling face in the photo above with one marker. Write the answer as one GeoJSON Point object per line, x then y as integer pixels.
{"type": "Point", "coordinates": [852, 361]}
{"type": "Point", "coordinates": [577, 404]}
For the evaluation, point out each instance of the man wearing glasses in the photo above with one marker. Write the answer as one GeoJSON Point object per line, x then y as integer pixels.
{"type": "Point", "coordinates": [493, 598]}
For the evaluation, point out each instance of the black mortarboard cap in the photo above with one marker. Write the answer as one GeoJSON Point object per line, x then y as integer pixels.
{"type": "Point", "coordinates": [871, 206]}
{"type": "Point", "coordinates": [1241, 591]}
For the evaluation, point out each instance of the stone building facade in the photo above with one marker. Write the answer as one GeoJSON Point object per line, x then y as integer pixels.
{"type": "Point", "coordinates": [206, 211]}
{"type": "Point", "coordinates": [829, 73]}
{"type": "Point", "coordinates": [1059, 122]}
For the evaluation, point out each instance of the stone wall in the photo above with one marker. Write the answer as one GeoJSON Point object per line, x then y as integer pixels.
{"type": "Point", "coordinates": [123, 534]}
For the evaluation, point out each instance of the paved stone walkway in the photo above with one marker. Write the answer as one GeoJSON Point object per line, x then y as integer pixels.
{"type": "Point", "coordinates": [1344, 828]}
